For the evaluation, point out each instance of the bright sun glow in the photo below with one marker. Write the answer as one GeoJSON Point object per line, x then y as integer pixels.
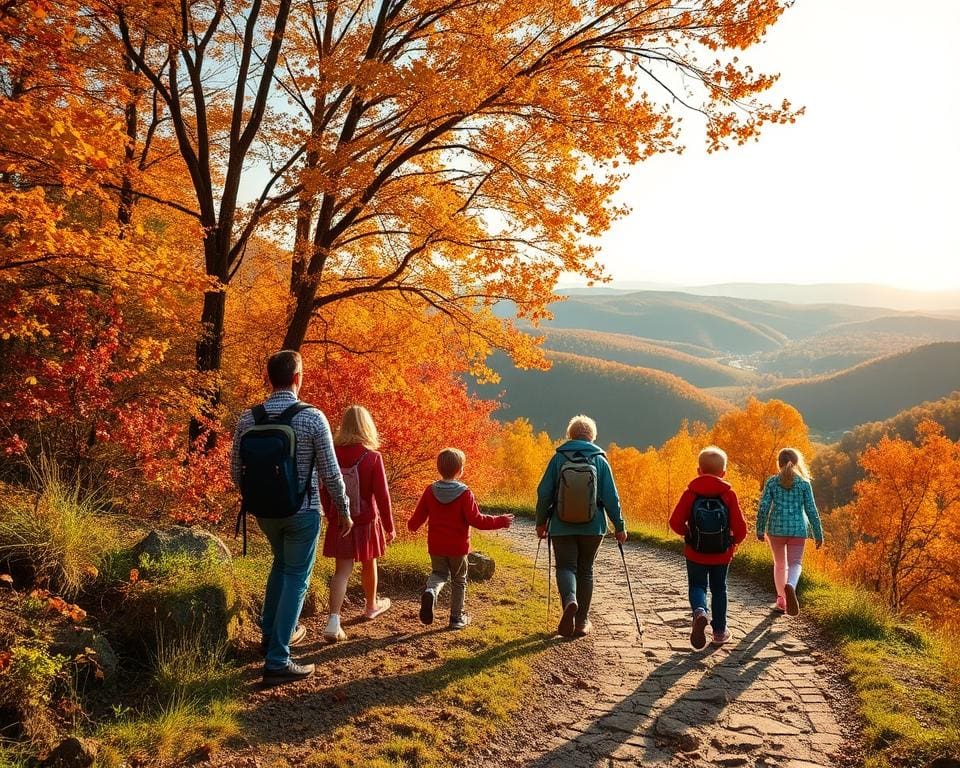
{"type": "Point", "coordinates": [863, 188]}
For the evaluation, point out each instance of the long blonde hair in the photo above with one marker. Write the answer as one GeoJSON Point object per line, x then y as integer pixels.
{"type": "Point", "coordinates": [791, 463]}
{"type": "Point", "coordinates": [357, 427]}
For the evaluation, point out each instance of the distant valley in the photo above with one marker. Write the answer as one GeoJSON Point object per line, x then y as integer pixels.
{"type": "Point", "coordinates": [642, 362]}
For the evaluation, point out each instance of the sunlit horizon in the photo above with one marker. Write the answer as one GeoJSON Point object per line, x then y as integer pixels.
{"type": "Point", "coordinates": [864, 188]}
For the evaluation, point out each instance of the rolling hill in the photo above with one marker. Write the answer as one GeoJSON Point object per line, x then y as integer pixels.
{"type": "Point", "coordinates": [859, 294]}
{"type": "Point", "coordinates": [632, 406]}
{"type": "Point", "coordinates": [836, 469]}
{"type": "Point", "coordinates": [631, 350]}
{"type": "Point", "coordinates": [723, 324]}
{"type": "Point", "coordinates": [874, 390]}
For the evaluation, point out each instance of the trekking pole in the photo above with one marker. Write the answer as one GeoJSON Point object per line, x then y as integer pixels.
{"type": "Point", "coordinates": [626, 571]}
{"type": "Point", "coordinates": [536, 559]}
{"type": "Point", "coordinates": [549, 569]}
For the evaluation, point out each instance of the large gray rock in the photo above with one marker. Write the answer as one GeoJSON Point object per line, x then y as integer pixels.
{"type": "Point", "coordinates": [481, 566]}
{"type": "Point", "coordinates": [193, 542]}
{"type": "Point", "coordinates": [186, 594]}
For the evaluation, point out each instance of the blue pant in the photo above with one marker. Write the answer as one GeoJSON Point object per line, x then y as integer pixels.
{"type": "Point", "coordinates": [575, 556]}
{"type": "Point", "coordinates": [294, 543]}
{"type": "Point", "coordinates": [698, 576]}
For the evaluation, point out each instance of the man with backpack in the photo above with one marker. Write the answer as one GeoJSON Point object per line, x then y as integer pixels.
{"type": "Point", "coordinates": [708, 516]}
{"type": "Point", "coordinates": [575, 496]}
{"type": "Point", "coordinates": [278, 450]}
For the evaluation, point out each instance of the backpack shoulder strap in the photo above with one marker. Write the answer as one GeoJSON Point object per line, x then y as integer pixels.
{"type": "Point", "coordinates": [259, 413]}
{"type": "Point", "coordinates": [362, 457]}
{"type": "Point", "coordinates": [286, 416]}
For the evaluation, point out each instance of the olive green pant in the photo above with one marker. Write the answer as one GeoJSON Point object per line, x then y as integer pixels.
{"type": "Point", "coordinates": [454, 570]}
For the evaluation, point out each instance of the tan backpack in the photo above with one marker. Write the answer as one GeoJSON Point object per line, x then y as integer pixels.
{"type": "Point", "coordinates": [577, 489]}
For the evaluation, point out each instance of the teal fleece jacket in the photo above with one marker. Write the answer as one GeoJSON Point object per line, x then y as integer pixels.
{"type": "Point", "coordinates": [608, 500]}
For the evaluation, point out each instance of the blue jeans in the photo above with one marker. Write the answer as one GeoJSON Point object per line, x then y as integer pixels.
{"type": "Point", "coordinates": [698, 576]}
{"type": "Point", "coordinates": [294, 543]}
{"type": "Point", "coordinates": [575, 556]}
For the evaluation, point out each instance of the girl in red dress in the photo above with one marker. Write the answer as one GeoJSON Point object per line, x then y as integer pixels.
{"type": "Point", "coordinates": [356, 444]}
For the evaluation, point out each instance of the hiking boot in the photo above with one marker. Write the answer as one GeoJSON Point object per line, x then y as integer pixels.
{"type": "Point", "coordinates": [299, 633]}
{"type": "Point", "coordinates": [719, 638]}
{"type": "Point", "coordinates": [793, 605]}
{"type": "Point", "coordinates": [781, 605]}
{"type": "Point", "coordinates": [459, 622]}
{"type": "Point", "coordinates": [583, 629]}
{"type": "Point", "coordinates": [566, 625]}
{"type": "Point", "coordinates": [428, 601]}
{"type": "Point", "coordinates": [288, 674]}
{"type": "Point", "coordinates": [698, 635]}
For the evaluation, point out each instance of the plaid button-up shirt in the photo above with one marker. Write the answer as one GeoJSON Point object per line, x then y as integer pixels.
{"type": "Point", "coordinates": [313, 440]}
{"type": "Point", "coordinates": [786, 511]}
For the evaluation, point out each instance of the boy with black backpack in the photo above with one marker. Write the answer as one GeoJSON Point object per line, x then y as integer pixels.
{"type": "Point", "coordinates": [708, 516]}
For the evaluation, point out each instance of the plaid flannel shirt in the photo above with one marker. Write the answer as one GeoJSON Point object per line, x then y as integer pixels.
{"type": "Point", "coordinates": [313, 440]}
{"type": "Point", "coordinates": [787, 511]}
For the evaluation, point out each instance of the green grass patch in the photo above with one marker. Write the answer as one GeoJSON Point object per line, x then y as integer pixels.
{"type": "Point", "coordinates": [476, 686]}
{"type": "Point", "coordinates": [180, 729]}
{"type": "Point", "coordinates": [904, 674]}
{"type": "Point", "coordinates": [498, 507]}
{"type": "Point", "coordinates": [54, 530]}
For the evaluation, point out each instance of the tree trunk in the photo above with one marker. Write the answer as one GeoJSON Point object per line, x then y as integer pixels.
{"type": "Point", "coordinates": [299, 322]}
{"type": "Point", "coordinates": [209, 359]}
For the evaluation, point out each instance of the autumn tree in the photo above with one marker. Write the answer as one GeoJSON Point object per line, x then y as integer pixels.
{"type": "Point", "coordinates": [519, 457]}
{"type": "Point", "coordinates": [753, 436]}
{"type": "Point", "coordinates": [453, 153]}
{"type": "Point", "coordinates": [907, 510]}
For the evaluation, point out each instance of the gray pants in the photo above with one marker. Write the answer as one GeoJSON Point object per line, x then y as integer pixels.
{"type": "Point", "coordinates": [453, 569]}
{"type": "Point", "coordinates": [574, 557]}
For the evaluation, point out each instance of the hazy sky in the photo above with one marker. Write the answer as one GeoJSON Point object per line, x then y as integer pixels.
{"type": "Point", "coordinates": [864, 187]}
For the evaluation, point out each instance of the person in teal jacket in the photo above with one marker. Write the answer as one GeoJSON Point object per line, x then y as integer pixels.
{"type": "Point", "coordinates": [575, 545]}
{"type": "Point", "coordinates": [786, 515]}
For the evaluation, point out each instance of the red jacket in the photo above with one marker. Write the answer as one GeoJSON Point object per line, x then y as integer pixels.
{"type": "Point", "coordinates": [374, 495]}
{"type": "Point", "coordinates": [448, 525]}
{"type": "Point", "coordinates": [709, 485]}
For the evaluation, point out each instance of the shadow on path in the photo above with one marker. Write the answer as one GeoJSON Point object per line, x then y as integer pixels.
{"type": "Point", "coordinates": [633, 721]}
{"type": "Point", "coordinates": [323, 708]}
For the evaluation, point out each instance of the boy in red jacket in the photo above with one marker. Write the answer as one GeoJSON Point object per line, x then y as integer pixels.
{"type": "Point", "coordinates": [708, 516]}
{"type": "Point", "coordinates": [449, 509]}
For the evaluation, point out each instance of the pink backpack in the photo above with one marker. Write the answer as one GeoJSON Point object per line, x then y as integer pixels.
{"type": "Point", "coordinates": [351, 480]}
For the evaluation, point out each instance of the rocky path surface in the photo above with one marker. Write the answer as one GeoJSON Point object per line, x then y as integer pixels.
{"type": "Point", "coordinates": [768, 698]}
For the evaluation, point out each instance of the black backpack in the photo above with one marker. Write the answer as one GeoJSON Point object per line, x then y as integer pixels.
{"type": "Point", "coordinates": [709, 528]}
{"type": "Point", "coordinates": [269, 482]}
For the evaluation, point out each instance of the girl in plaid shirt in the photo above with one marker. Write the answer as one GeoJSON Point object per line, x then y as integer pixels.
{"type": "Point", "coordinates": [787, 513]}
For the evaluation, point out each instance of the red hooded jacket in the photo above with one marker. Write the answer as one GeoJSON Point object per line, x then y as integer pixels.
{"type": "Point", "coordinates": [709, 485]}
{"type": "Point", "coordinates": [448, 524]}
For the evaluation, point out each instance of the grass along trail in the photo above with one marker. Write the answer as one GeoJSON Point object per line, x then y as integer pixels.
{"type": "Point", "coordinates": [771, 697]}
{"type": "Point", "coordinates": [507, 692]}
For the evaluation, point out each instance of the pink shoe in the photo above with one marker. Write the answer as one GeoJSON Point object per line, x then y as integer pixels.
{"type": "Point", "coordinates": [382, 606]}
{"type": "Point", "coordinates": [781, 605]}
{"type": "Point", "coordinates": [793, 605]}
{"type": "Point", "coordinates": [719, 638]}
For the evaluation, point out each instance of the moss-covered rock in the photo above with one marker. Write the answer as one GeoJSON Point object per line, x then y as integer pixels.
{"type": "Point", "coordinates": [175, 596]}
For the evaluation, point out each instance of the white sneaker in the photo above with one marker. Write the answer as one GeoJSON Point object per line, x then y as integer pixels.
{"type": "Point", "coordinates": [333, 631]}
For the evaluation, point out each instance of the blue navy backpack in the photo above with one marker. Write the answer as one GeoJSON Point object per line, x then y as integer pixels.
{"type": "Point", "coordinates": [269, 483]}
{"type": "Point", "coordinates": [709, 528]}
